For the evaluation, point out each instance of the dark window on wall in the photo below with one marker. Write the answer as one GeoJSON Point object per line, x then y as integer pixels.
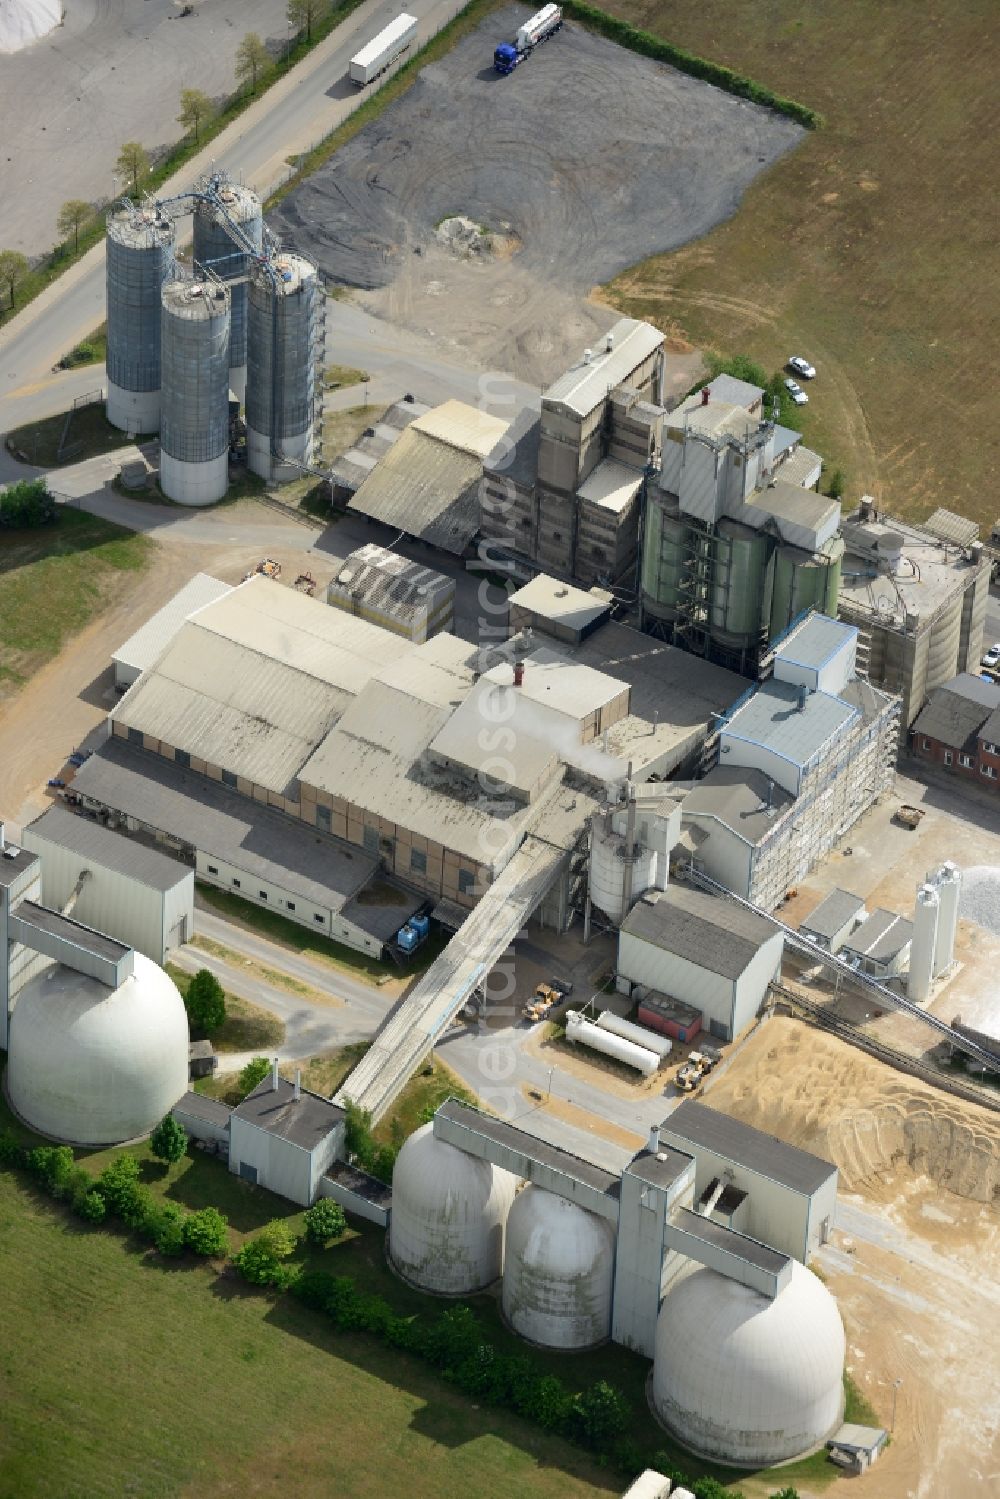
{"type": "Point", "coordinates": [317, 917]}
{"type": "Point", "coordinates": [183, 759]}
{"type": "Point", "coordinates": [371, 840]}
{"type": "Point", "coordinates": [323, 818]}
{"type": "Point", "coordinates": [229, 778]}
{"type": "Point", "coordinates": [290, 904]}
{"type": "Point", "coordinates": [418, 861]}
{"type": "Point", "coordinates": [262, 894]}
{"type": "Point", "coordinates": [135, 736]}
{"type": "Point", "coordinates": [466, 881]}
{"type": "Point", "coordinates": [236, 884]}
{"type": "Point", "coordinates": [213, 869]}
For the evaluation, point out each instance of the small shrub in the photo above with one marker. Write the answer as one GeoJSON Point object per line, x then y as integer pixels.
{"type": "Point", "coordinates": [207, 1232]}
{"type": "Point", "coordinates": [257, 1264]}
{"type": "Point", "coordinates": [51, 1164]}
{"type": "Point", "coordinates": [325, 1220]}
{"type": "Point", "coordinates": [313, 1288]}
{"type": "Point", "coordinates": [205, 1002]}
{"type": "Point", "coordinates": [74, 1184]}
{"type": "Point", "coordinates": [165, 1227]}
{"type": "Point", "coordinates": [836, 486]}
{"type": "Point", "coordinates": [598, 1416]}
{"type": "Point", "coordinates": [90, 1206]}
{"type": "Point", "coordinates": [117, 1180]}
{"type": "Point", "coordinates": [168, 1142]}
{"type": "Point", "coordinates": [12, 1152]}
{"type": "Point", "coordinates": [253, 1073]}
{"type": "Point", "coordinates": [136, 1207]}
{"type": "Point", "coordinates": [277, 1237]}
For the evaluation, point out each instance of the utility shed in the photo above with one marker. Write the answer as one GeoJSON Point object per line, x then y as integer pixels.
{"type": "Point", "coordinates": [791, 1195]}
{"type": "Point", "coordinates": [558, 609]}
{"type": "Point", "coordinates": [284, 1138]}
{"type": "Point", "coordinates": [149, 642]}
{"type": "Point", "coordinates": [833, 920]}
{"type": "Point", "coordinates": [715, 956]}
{"type": "Point", "coordinates": [132, 892]}
{"type": "Point", "coordinates": [881, 944]}
{"type": "Point", "coordinates": [389, 590]}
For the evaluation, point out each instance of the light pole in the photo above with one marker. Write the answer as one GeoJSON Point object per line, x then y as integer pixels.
{"type": "Point", "coordinates": [548, 1090]}
{"type": "Point", "coordinates": [895, 1391]}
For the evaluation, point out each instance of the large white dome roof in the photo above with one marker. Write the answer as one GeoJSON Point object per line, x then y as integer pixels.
{"type": "Point", "coordinates": [448, 1213]}
{"type": "Point", "coordinates": [92, 1065]}
{"type": "Point", "coordinates": [558, 1271]}
{"type": "Point", "coordinates": [744, 1379]}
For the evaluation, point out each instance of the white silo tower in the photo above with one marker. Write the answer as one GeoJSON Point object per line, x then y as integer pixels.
{"type": "Point", "coordinates": [947, 881]}
{"type": "Point", "coordinates": [926, 916]}
{"type": "Point", "coordinates": [223, 203]}
{"type": "Point", "coordinates": [286, 308]}
{"type": "Point", "coordinates": [448, 1211]}
{"type": "Point", "coordinates": [140, 255]}
{"type": "Point", "coordinates": [558, 1272]}
{"type": "Point", "coordinates": [92, 1065]}
{"type": "Point", "coordinates": [194, 415]}
{"type": "Point", "coordinates": [744, 1379]}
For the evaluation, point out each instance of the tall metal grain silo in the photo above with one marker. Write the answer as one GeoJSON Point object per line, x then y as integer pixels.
{"type": "Point", "coordinates": [140, 255]}
{"type": "Point", "coordinates": [286, 309]}
{"type": "Point", "coordinates": [215, 249]}
{"type": "Point", "coordinates": [194, 419]}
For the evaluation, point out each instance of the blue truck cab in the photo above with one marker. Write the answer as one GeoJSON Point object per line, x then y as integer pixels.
{"type": "Point", "coordinates": [505, 58]}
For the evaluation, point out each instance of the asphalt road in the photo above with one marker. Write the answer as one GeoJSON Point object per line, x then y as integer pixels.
{"type": "Point", "coordinates": [298, 112]}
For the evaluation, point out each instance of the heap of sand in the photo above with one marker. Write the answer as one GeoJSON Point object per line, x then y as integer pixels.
{"type": "Point", "coordinates": [24, 21]}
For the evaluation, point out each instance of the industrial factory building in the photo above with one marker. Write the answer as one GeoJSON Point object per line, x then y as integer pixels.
{"type": "Point", "coordinates": [693, 1254]}
{"type": "Point", "coordinates": [145, 898]}
{"type": "Point", "coordinates": [716, 957]}
{"type": "Point", "coordinates": [799, 760]}
{"type": "Point", "coordinates": [919, 604]}
{"type": "Point", "coordinates": [149, 642]}
{"type": "Point", "coordinates": [394, 593]}
{"type": "Point", "coordinates": [561, 493]}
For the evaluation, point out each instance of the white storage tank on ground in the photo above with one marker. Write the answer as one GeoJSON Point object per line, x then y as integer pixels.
{"type": "Point", "coordinates": [194, 416]}
{"type": "Point", "coordinates": [586, 1033]}
{"type": "Point", "coordinates": [92, 1065]}
{"type": "Point", "coordinates": [285, 305]}
{"type": "Point", "coordinates": [640, 1034]}
{"type": "Point", "coordinates": [139, 252]}
{"type": "Point", "coordinates": [746, 1380]}
{"type": "Point", "coordinates": [559, 1263]}
{"type": "Point", "coordinates": [926, 916]}
{"type": "Point", "coordinates": [448, 1212]}
{"type": "Point", "coordinates": [947, 881]}
{"type": "Point", "coordinates": [215, 249]}
{"type": "Point", "coordinates": [610, 884]}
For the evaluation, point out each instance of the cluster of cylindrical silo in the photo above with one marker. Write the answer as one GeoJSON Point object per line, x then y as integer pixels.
{"type": "Point", "coordinates": [935, 925]}
{"type": "Point", "coordinates": [458, 1223]}
{"type": "Point", "coordinates": [250, 323]}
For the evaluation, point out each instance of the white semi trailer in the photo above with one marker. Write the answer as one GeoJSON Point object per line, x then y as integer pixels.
{"type": "Point", "coordinates": [391, 42]}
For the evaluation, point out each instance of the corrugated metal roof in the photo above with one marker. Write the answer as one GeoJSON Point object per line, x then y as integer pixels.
{"type": "Point", "coordinates": [773, 718]}
{"type": "Point", "coordinates": [400, 589]}
{"type": "Point", "coordinates": [141, 649]}
{"type": "Point", "coordinates": [881, 937]}
{"type": "Point", "coordinates": [206, 816]}
{"type": "Point", "coordinates": [957, 529]}
{"type": "Point", "coordinates": [611, 485]}
{"type": "Point", "coordinates": [833, 913]}
{"type": "Point", "coordinates": [426, 488]}
{"type": "Point", "coordinates": [80, 835]}
{"type": "Point", "coordinates": [462, 426]}
{"type": "Point", "coordinates": [587, 384]}
{"type": "Point", "coordinates": [745, 1146]}
{"type": "Point", "coordinates": [713, 934]}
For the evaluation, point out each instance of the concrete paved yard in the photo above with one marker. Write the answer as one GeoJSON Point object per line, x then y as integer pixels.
{"type": "Point", "coordinates": [585, 160]}
{"type": "Point", "coordinates": [112, 72]}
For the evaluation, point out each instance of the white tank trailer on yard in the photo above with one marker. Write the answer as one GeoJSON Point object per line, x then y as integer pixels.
{"type": "Point", "coordinates": [640, 1034]}
{"type": "Point", "coordinates": [586, 1033]}
{"type": "Point", "coordinates": [383, 50]}
{"type": "Point", "coordinates": [543, 24]}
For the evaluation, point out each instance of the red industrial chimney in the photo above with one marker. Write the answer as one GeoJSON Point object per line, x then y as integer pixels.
{"type": "Point", "coordinates": [518, 673]}
{"type": "Point", "coordinates": [704, 396]}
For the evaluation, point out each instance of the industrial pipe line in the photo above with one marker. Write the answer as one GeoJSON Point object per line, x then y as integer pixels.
{"type": "Point", "coordinates": [888, 997]}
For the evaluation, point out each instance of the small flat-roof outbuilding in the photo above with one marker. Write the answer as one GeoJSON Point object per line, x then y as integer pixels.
{"type": "Point", "coordinates": [284, 1138]}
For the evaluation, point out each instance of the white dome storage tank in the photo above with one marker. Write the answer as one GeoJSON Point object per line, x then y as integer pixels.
{"type": "Point", "coordinates": [448, 1211]}
{"type": "Point", "coordinates": [92, 1065]}
{"type": "Point", "coordinates": [558, 1271]}
{"type": "Point", "coordinates": [746, 1380]}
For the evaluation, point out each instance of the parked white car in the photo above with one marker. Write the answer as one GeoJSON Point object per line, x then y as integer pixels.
{"type": "Point", "coordinates": [802, 367]}
{"type": "Point", "coordinates": [796, 392]}
{"type": "Point", "coordinates": [992, 657]}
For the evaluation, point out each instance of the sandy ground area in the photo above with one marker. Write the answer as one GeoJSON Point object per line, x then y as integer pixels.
{"type": "Point", "coordinates": [571, 183]}
{"type": "Point", "coordinates": [112, 72]}
{"type": "Point", "coordinates": [915, 1260]}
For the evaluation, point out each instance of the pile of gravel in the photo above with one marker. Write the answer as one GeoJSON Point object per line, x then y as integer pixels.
{"type": "Point", "coordinates": [980, 898]}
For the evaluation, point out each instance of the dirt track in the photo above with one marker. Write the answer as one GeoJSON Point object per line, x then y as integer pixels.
{"type": "Point", "coordinates": [585, 159]}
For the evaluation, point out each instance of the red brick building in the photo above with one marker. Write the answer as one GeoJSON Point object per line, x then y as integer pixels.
{"type": "Point", "coordinates": [959, 729]}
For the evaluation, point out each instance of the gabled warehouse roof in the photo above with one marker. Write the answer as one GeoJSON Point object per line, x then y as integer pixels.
{"type": "Point", "coordinates": [749, 1147]}
{"type": "Point", "coordinates": [584, 386]}
{"type": "Point", "coordinates": [141, 650]}
{"type": "Point", "coordinates": [711, 933]}
{"type": "Point", "coordinates": [957, 711]}
{"type": "Point", "coordinates": [833, 913]}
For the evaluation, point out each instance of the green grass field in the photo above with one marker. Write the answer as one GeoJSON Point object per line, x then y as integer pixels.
{"type": "Point", "coordinates": [51, 444]}
{"type": "Point", "coordinates": [54, 581]}
{"type": "Point", "coordinates": [867, 249]}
